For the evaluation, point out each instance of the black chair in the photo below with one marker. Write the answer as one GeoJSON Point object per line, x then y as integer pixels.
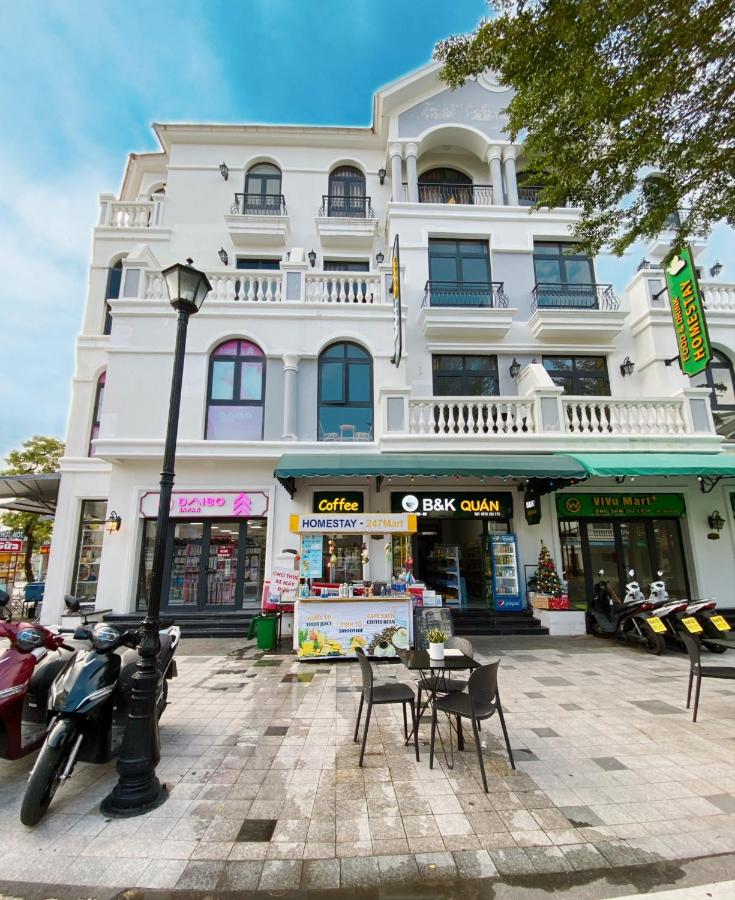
{"type": "Point", "coordinates": [382, 693]}
{"type": "Point", "coordinates": [696, 668]}
{"type": "Point", "coordinates": [441, 684]}
{"type": "Point", "coordinates": [481, 701]}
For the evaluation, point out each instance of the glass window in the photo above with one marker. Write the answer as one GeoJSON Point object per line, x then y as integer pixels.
{"type": "Point", "coordinates": [347, 193]}
{"type": "Point", "coordinates": [89, 549]}
{"type": "Point", "coordinates": [459, 273]}
{"type": "Point", "coordinates": [270, 264]}
{"type": "Point", "coordinates": [112, 292]}
{"type": "Point", "coordinates": [465, 376]}
{"type": "Point", "coordinates": [718, 376]}
{"type": "Point", "coordinates": [236, 392]}
{"type": "Point", "coordinates": [445, 185]}
{"type": "Point", "coordinates": [345, 402]}
{"type": "Point", "coordinates": [558, 265]}
{"type": "Point", "coordinates": [346, 265]}
{"type": "Point", "coordinates": [97, 414]}
{"type": "Point", "coordinates": [579, 375]}
{"type": "Point", "coordinates": [263, 189]}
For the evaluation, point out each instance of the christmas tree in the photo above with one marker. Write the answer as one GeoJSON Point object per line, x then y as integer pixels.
{"type": "Point", "coordinates": [547, 581]}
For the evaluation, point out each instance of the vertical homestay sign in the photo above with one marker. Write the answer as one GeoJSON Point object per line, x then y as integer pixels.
{"type": "Point", "coordinates": [687, 310]}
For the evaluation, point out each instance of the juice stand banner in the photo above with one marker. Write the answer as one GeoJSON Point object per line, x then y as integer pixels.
{"type": "Point", "coordinates": [337, 628]}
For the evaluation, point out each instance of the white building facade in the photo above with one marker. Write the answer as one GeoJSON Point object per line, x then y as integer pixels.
{"type": "Point", "coordinates": [509, 380]}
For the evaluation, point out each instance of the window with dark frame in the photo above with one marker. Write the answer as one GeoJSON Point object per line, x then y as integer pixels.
{"type": "Point", "coordinates": [579, 375]}
{"type": "Point", "coordinates": [269, 264]}
{"type": "Point", "coordinates": [347, 193]}
{"type": "Point", "coordinates": [112, 292]}
{"type": "Point", "coordinates": [719, 378]}
{"type": "Point", "coordinates": [465, 376]}
{"type": "Point", "coordinates": [565, 276]}
{"type": "Point", "coordinates": [97, 414]}
{"type": "Point", "coordinates": [345, 396]}
{"type": "Point", "coordinates": [263, 189]}
{"type": "Point", "coordinates": [236, 392]}
{"type": "Point", "coordinates": [89, 549]}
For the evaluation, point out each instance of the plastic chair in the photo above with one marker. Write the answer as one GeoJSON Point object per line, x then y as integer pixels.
{"type": "Point", "coordinates": [696, 668]}
{"type": "Point", "coordinates": [440, 684]}
{"type": "Point", "coordinates": [481, 701]}
{"type": "Point", "coordinates": [382, 693]}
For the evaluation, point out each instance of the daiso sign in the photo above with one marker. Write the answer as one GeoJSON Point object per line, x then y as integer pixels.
{"type": "Point", "coordinates": [209, 504]}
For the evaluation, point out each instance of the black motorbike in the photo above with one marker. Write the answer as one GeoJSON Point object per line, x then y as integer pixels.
{"type": "Point", "coordinates": [625, 620]}
{"type": "Point", "coordinates": [90, 704]}
{"type": "Point", "coordinates": [5, 613]}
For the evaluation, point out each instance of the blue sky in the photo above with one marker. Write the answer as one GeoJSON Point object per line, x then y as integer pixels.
{"type": "Point", "coordinates": [80, 83]}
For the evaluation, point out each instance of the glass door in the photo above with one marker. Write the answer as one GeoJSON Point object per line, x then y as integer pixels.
{"type": "Point", "coordinates": [186, 565]}
{"type": "Point", "coordinates": [252, 562]}
{"type": "Point", "coordinates": [220, 586]}
{"type": "Point", "coordinates": [602, 549]}
{"type": "Point", "coordinates": [636, 552]}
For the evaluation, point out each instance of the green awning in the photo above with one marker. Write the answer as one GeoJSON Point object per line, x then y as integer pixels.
{"type": "Point", "coordinates": [485, 465]}
{"type": "Point", "coordinates": [619, 464]}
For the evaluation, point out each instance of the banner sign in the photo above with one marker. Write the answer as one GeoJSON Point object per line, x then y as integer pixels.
{"type": "Point", "coordinates": [284, 581]}
{"type": "Point", "coordinates": [687, 310]}
{"type": "Point", "coordinates": [339, 501]}
{"type": "Point", "coordinates": [312, 555]}
{"type": "Point", "coordinates": [359, 523]}
{"type": "Point", "coordinates": [208, 504]}
{"type": "Point", "coordinates": [610, 505]}
{"type": "Point", "coordinates": [12, 546]}
{"type": "Point", "coordinates": [396, 291]}
{"type": "Point", "coordinates": [454, 504]}
{"type": "Point", "coordinates": [339, 627]}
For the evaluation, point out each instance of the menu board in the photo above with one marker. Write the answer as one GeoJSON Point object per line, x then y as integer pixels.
{"type": "Point", "coordinates": [336, 628]}
{"type": "Point", "coordinates": [424, 619]}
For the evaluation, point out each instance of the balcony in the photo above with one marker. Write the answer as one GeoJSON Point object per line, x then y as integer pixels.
{"type": "Point", "coordinates": [476, 417]}
{"type": "Point", "coordinates": [344, 288]}
{"type": "Point", "coordinates": [528, 194]}
{"type": "Point", "coordinates": [462, 312]}
{"type": "Point", "coordinates": [447, 192]}
{"type": "Point", "coordinates": [605, 416]}
{"type": "Point", "coordinates": [346, 221]}
{"type": "Point", "coordinates": [583, 313]}
{"type": "Point", "coordinates": [258, 219]}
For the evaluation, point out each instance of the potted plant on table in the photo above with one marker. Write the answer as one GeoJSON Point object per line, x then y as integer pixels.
{"type": "Point", "coordinates": [436, 643]}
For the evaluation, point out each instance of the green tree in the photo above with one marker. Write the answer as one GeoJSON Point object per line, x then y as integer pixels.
{"type": "Point", "coordinates": [610, 91]}
{"type": "Point", "coordinates": [38, 456]}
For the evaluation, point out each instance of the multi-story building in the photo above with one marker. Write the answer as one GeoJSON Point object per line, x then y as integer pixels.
{"type": "Point", "coordinates": [512, 384]}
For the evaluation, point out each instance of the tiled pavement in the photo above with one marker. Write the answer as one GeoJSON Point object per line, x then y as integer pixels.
{"type": "Point", "coordinates": [266, 791]}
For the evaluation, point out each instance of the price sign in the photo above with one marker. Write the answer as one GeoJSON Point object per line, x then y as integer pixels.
{"type": "Point", "coordinates": [720, 623]}
{"type": "Point", "coordinates": [692, 625]}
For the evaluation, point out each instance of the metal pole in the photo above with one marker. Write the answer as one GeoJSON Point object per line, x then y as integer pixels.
{"type": "Point", "coordinates": [138, 789]}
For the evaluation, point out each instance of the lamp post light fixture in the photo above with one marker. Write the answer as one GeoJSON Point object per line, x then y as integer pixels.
{"type": "Point", "coordinates": [138, 790]}
{"type": "Point", "coordinates": [312, 258]}
{"type": "Point", "coordinates": [113, 523]}
{"type": "Point", "coordinates": [224, 170]}
{"type": "Point", "coordinates": [715, 269]}
{"type": "Point", "coordinates": [627, 366]}
{"type": "Point", "coordinates": [381, 174]}
{"type": "Point", "coordinates": [379, 257]}
{"type": "Point", "coordinates": [515, 369]}
{"type": "Point", "coordinates": [715, 521]}
{"type": "Point", "coordinates": [224, 256]}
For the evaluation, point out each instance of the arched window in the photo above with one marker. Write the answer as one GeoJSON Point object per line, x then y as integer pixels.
{"type": "Point", "coordinates": [97, 414]}
{"type": "Point", "coordinates": [112, 292]}
{"type": "Point", "coordinates": [719, 378]}
{"type": "Point", "coordinates": [347, 193]}
{"type": "Point", "coordinates": [345, 403]}
{"type": "Point", "coordinates": [263, 189]}
{"type": "Point", "coordinates": [445, 185]}
{"type": "Point", "coordinates": [236, 392]}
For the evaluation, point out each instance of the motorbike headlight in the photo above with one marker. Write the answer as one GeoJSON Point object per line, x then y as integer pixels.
{"type": "Point", "coordinates": [105, 636]}
{"type": "Point", "coordinates": [28, 639]}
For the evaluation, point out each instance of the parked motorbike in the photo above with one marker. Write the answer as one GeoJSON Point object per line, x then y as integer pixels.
{"type": "Point", "coordinates": [90, 704]}
{"type": "Point", "coordinates": [700, 618]}
{"type": "Point", "coordinates": [36, 656]}
{"type": "Point", "coordinates": [626, 620]}
{"type": "Point", "coordinates": [5, 613]}
{"type": "Point", "coordinates": [666, 611]}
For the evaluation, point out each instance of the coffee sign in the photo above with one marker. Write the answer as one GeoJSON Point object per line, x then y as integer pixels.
{"type": "Point", "coordinates": [573, 506]}
{"type": "Point", "coordinates": [454, 504]}
{"type": "Point", "coordinates": [687, 310]}
{"type": "Point", "coordinates": [338, 501]}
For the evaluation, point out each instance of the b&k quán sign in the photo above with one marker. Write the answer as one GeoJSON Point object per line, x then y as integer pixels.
{"type": "Point", "coordinates": [687, 310]}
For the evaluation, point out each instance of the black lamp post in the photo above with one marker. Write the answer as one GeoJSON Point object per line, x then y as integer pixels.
{"type": "Point", "coordinates": [138, 789]}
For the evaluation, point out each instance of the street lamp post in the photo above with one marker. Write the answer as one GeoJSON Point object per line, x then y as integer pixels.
{"type": "Point", "coordinates": [138, 789]}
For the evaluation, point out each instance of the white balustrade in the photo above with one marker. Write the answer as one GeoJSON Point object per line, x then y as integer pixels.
{"type": "Point", "coordinates": [720, 297]}
{"type": "Point", "coordinates": [128, 213]}
{"type": "Point", "coordinates": [255, 287]}
{"type": "Point", "coordinates": [599, 416]}
{"type": "Point", "coordinates": [340, 287]}
{"type": "Point", "coordinates": [471, 416]}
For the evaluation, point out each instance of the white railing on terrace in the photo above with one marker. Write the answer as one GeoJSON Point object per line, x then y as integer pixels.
{"type": "Point", "coordinates": [603, 415]}
{"type": "Point", "coordinates": [720, 298]}
{"type": "Point", "coordinates": [335, 287]}
{"type": "Point", "coordinates": [127, 213]}
{"type": "Point", "coordinates": [471, 416]}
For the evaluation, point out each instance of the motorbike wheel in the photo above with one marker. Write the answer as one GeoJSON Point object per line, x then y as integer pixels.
{"type": "Point", "coordinates": [655, 643]}
{"type": "Point", "coordinates": [714, 648]}
{"type": "Point", "coordinates": [46, 777]}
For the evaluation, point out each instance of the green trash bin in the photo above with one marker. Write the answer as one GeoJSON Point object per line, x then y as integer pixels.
{"type": "Point", "coordinates": [266, 631]}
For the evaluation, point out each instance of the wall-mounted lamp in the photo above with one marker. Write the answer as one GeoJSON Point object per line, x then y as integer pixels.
{"type": "Point", "coordinates": [515, 368]}
{"type": "Point", "coordinates": [381, 174]}
{"type": "Point", "coordinates": [627, 366]}
{"type": "Point", "coordinates": [715, 521]}
{"type": "Point", "coordinates": [379, 257]}
{"type": "Point", "coordinates": [714, 270]}
{"type": "Point", "coordinates": [644, 264]}
{"type": "Point", "coordinates": [113, 523]}
{"type": "Point", "coordinates": [224, 171]}
{"type": "Point", "coordinates": [312, 258]}
{"type": "Point", "coordinates": [223, 255]}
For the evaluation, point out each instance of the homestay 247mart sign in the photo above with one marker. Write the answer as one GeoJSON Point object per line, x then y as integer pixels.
{"type": "Point", "coordinates": [687, 310]}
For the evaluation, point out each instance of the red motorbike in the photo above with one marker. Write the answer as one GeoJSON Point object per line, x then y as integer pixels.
{"type": "Point", "coordinates": [27, 671]}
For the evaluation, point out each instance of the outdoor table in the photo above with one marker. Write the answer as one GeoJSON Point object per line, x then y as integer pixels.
{"type": "Point", "coordinates": [420, 661]}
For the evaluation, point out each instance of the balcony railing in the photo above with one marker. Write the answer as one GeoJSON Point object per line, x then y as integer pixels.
{"type": "Point", "coordinates": [471, 416]}
{"type": "Point", "coordinates": [488, 294]}
{"type": "Point", "coordinates": [259, 205]}
{"type": "Point", "coordinates": [719, 297]}
{"type": "Point", "coordinates": [603, 415]}
{"type": "Point", "coordinates": [127, 213]}
{"type": "Point", "coordinates": [453, 193]}
{"type": "Point", "coordinates": [528, 194]}
{"type": "Point", "coordinates": [549, 295]}
{"type": "Point", "coordinates": [341, 206]}
{"type": "Point", "coordinates": [336, 287]}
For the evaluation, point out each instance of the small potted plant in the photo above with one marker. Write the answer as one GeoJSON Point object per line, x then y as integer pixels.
{"type": "Point", "coordinates": [436, 643]}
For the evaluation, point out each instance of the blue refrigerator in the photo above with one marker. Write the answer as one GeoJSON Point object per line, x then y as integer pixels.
{"type": "Point", "coordinates": [506, 579]}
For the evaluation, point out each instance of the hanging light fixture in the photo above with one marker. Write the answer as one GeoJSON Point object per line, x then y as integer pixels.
{"type": "Point", "coordinates": [223, 255]}
{"type": "Point", "coordinates": [381, 174]}
{"type": "Point", "coordinates": [515, 369]}
{"type": "Point", "coordinates": [716, 522]}
{"type": "Point", "coordinates": [379, 257]}
{"type": "Point", "coordinates": [627, 366]}
{"type": "Point", "coordinates": [224, 170]}
{"type": "Point", "coordinates": [113, 523]}
{"type": "Point", "coordinates": [312, 258]}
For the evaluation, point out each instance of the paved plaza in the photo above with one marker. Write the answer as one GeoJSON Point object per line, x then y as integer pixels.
{"type": "Point", "coordinates": [266, 793]}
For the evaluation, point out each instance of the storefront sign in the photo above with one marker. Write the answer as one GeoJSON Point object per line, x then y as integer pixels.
{"type": "Point", "coordinates": [284, 581]}
{"type": "Point", "coordinates": [532, 508]}
{"type": "Point", "coordinates": [312, 553]}
{"type": "Point", "coordinates": [7, 535]}
{"type": "Point", "coordinates": [338, 628]}
{"type": "Point", "coordinates": [687, 311]}
{"type": "Point", "coordinates": [454, 504]}
{"type": "Point", "coordinates": [12, 546]}
{"type": "Point", "coordinates": [208, 504]}
{"type": "Point", "coordinates": [365, 523]}
{"type": "Point", "coordinates": [580, 506]}
{"type": "Point", "coordinates": [338, 501]}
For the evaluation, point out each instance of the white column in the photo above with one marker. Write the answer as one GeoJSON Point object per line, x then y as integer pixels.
{"type": "Point", "coordinates": [494, 155]}
{"type": "Point", "coordinates": [411, 176]}
{"type": "Point", "coordinates": [396, 171]}
{"type": "Point", "coordinates": [509, 165]}
{"type": "Point", "coordinates": [290, 368]}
